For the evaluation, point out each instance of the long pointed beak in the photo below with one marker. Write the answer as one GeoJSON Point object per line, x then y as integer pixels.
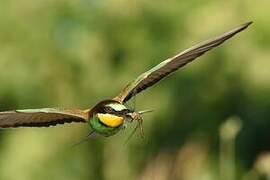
{"type": "Point", "coordinates": [137, 115]}
{"type": "Point", "coordinates": [145, 111]}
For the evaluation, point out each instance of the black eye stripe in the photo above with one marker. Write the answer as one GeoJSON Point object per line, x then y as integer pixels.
{"type": "Point", "coordinates": [107, 109]}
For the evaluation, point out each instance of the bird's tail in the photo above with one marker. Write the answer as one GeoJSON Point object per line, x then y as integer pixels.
{"type": "Point", "coordinates": [90, 135]}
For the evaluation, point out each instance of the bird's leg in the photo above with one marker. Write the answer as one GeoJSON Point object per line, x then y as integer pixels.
{"type": "Point", "coordinates": [139, 118]}
{"type": "Point", "coordinates": [136, 116]}
{"type": "Point", "coordinates": [141, 128]}
{"type": "Point", "coordinates": [132, 133]}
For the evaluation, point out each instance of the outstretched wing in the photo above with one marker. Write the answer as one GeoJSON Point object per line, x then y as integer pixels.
{"type": "Point", "coordinates": [41, 117]}
{"type": "Point", "coordinates": [170, 65]}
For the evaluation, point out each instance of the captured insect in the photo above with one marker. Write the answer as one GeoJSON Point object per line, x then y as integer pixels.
{"type": "Point", "coordinates": [109, 116]}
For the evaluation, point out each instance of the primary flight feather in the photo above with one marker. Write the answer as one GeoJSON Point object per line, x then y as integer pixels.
{"type": "Point", "coordinates": [41, 117]}
{"type": "Point", "coordinates": [109, 116]}
{"type": "Point", "coordinates": [170, 65]}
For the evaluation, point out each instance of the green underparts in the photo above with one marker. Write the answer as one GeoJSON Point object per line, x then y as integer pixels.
{"type": "Point", "coordinates": [103, 129]}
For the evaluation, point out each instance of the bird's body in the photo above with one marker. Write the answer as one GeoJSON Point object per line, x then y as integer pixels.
{"type": "Point", "coordinates": [109, 116]}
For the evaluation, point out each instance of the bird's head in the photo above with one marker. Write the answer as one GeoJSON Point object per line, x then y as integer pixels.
{"type": "Point", "coordinates": [114, 114]}
{"type": "Point", "coordinates": [118, 109]}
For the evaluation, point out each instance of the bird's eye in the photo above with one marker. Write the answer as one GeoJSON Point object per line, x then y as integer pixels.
{"type": "Point", "coordinates": [109, 109]}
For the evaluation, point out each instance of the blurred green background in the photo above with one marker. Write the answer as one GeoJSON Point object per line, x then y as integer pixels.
{"type": "Point", "coordinates": [211, 119]}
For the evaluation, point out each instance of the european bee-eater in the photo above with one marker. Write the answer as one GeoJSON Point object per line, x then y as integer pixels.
{"type": "Point", "coordinates": [109, 116]}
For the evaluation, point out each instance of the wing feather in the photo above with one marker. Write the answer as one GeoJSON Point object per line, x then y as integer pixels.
{"type": "Point", "coordinates": [42, 117]}
{"type": "Point", "coordinates": [170, 65]}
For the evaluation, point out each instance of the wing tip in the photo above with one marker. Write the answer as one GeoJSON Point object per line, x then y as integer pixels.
{"type": "Point", "coordinates": [249, 23]}
{"type": "Point", "coordinates": [244, 26]}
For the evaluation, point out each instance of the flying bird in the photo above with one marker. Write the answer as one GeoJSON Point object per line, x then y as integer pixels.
{"type": "Point", "coordinates": [109, 116]}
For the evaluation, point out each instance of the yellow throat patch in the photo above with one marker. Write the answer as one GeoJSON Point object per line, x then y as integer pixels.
{"type": "Point", "coordinates": [110, 120]}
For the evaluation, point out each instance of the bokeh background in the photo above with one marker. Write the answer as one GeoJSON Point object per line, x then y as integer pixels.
{"type": "Point", "coordinates": [211, 119]}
